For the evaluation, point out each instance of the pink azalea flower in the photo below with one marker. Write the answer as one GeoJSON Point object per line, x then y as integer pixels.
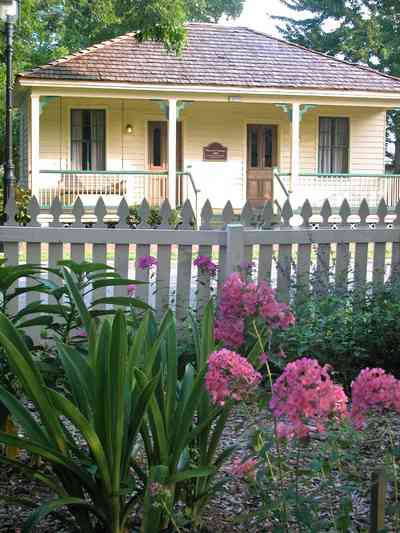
{"type": "Point", "coordinates": [230, 376]}
{"type": "Point", "coordinates": [81, 333]}
{"type": "Point", "coordinates": [240, 300]}
{"type": "Point", "coordinates": [305, 395]}
{"type": "Point", "coordinates": [147, 262]}
{"type": "Point", "coordinates": [373, 390]}
{"type": "Point", "coordinates": [243, 469]}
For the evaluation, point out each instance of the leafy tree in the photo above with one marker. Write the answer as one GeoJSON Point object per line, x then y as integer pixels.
{"type": "Point", "coordinates": [362, 31]}
{"type": "Point", "coordinates": [49, 29]}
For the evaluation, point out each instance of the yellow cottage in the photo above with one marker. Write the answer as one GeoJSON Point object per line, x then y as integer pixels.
{"type": "Point", "coordinates": [239, 116]}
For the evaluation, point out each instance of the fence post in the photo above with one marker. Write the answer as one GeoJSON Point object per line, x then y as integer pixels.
{"type": "Point", "coordinates": [378, 496]}
{"type": "Point", "coordinates": [234, 247]}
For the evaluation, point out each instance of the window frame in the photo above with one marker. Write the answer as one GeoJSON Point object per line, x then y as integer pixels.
{"type": "Point", "coordinates": [82, 108]}
{"type": "Point", "coordinates": [318, 145]}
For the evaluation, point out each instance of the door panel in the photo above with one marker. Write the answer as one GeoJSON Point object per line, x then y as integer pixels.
{"type": "Point", "coordinates": [261, 158]}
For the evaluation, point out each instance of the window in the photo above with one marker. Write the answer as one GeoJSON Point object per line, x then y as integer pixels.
{"type": "Point", "coordinates": [333, 145]}
{"type": "Point", "coordinates": [261, 146]}
{"type": "Point", "coordinates": [88, 149]}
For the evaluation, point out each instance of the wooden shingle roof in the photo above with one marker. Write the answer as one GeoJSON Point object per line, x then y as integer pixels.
{"type": "Point", "coordinates": [215, 56]}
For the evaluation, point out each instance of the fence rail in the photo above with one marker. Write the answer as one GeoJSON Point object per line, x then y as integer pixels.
{"type": "Point", "coordinates": [323, 249]}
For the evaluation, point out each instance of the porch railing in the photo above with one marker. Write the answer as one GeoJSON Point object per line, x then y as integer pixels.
{"type": "Point", "coordinates": [318, 187]}
{"type": "Point", "coordinates": [134, 185]}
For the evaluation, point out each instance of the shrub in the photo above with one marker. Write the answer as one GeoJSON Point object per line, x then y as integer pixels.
{"type": "Point", "coordinates": [348, 331]}
{"type": "Point", "coordinates": [154, 218]}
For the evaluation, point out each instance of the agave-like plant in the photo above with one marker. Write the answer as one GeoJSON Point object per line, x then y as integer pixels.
{"type": "Point", "coordinates": [106, 403]}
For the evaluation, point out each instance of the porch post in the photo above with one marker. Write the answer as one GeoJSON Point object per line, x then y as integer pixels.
{"type": "Point", "coordinates": [295, 164]}
{"type": "Point", "coordinates": [35, 144]}
{"type": "Point", "coordinates": [172, 152]}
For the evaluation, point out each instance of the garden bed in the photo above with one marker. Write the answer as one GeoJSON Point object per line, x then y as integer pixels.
{"type": "Point", "coordinates": [224, 512]}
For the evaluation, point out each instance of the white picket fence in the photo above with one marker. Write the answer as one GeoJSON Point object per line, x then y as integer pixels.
{"type": "Point", "coordinates": [321, 249]}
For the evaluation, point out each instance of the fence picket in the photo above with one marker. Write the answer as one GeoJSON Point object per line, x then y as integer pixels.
{"type": "Point", "coordinates": [142, 274]}
{"type": "Point", "coordinates": [284, 268]}
{"type": "Point", "coordinates": [183, 282]}
{"type": "Point", "coordinates": [342, 266]}
{"type": "Point", "coordinates": [378, 274]}
{"type": "Point", "coordinates": [78, 252]}
{"type": "Point", "coordinates": [163, 281]}
{"type": "Point", "coordinates": [33, 257]}
{"type": "Point", "coordinates": [203, 281]}
{"type": "Point", "coordinates": [303, 271]}
{"type": "Point", "coordinates": [121, 266]}
{"type": "Point", "coordinates": [265, 263]}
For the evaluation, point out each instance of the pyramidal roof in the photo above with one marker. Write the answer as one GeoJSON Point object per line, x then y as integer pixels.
{"type": "Point", "coordinates": [218, 56]}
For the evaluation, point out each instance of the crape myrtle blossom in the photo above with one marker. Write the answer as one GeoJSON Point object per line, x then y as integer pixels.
{"type": "Point", "coordinates": [305, 396]}
{"type": "Point", "coordinates": [241, 300]}
{"type": "Point", "coordinates": [230, 377]}
{"type": "Point", "coordinates": [147, 262]}
{"type": "Point", "coordinates": [373, 390]}
{"type": "Point", "coordinates": [131, 289]}
{"type": "Point", "coordinates": [205, 265]}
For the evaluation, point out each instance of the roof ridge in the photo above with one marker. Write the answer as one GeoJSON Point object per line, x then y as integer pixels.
{"type": "Point", "coordinates": [326, 56]}
{"type": "Point", "coordinates": [81, 52]}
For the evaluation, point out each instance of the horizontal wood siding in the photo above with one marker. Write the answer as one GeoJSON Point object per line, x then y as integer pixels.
{"type": "Point", "coordinates": [206, 122]}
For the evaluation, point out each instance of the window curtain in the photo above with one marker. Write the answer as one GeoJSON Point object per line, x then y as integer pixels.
{"type": "Point", "coordinates": [76, 139]}
{"type": "Point", "coordinates": [333, 154]}
{"type": "Point", "coordinates": [325, 145]}
{"type": "Point", "coordinates": [340, 148]}
{"type": "Point", "coordinates": [98, 139]}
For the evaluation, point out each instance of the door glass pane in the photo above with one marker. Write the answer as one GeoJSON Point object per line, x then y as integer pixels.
{"type": "Point", "coordinates": [253, 148]}
{"type": "Point", "coordinates": [157, 147]}
{"type": "Point", "coordinates": [268, 147]}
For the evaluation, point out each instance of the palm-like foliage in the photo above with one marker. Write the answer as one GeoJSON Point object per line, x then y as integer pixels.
{"type": "Point", "coordinates": [108, 400]}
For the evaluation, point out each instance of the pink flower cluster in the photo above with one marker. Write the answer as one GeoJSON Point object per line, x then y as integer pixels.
{"type": "Point", "coordinates": [305, 395]}
{"type": "Point", "coordinates": [147, 262]}
{"type": "Point", "coordinates": [240, 300]}
{"type": "Point", "coordinates": [131, 290]}
{"type": "Point", "coordinates": [230, 376]}
{"type": "Point", "coordinates": [205, 265]}
{"type": "Point", "coordinates": [243, 469]}
{"type": "Point", "coordinates": [373, 390]}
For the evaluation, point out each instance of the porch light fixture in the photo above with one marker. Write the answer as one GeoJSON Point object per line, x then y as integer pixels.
{"type": "Point", "coordinates": [9, 11]}
{"type": "Point", "coordinates": [129, 129]}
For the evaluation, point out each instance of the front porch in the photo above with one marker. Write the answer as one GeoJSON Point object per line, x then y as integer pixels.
{"type": "Point", "coordinates": [175, 149]}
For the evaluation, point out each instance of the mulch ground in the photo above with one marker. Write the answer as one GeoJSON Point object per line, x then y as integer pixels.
{"type": "Point", "coordinates": [221, 515]}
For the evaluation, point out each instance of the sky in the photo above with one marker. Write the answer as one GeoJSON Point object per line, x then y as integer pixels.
{"type": "Point", "coordinates": [256, 15]}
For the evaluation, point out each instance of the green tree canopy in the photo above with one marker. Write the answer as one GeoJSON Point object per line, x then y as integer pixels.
{"type": "Point", "coordinates": [50, 29]}
{"type": "Point", "coordinates": [362, 31]}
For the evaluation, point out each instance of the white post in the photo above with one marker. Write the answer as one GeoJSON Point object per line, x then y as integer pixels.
{"type": "Point", "coordinates": [172, 152]}
{"type": "Point", "coordinates": [35, 144]}
{"type": "Point", "coordinates": [295, 166]}
{"type": "Point", "coordinates": [234, 247]}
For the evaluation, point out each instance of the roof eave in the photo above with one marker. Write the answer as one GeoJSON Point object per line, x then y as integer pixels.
{"type": "Point", "coordinates": [25, 81]}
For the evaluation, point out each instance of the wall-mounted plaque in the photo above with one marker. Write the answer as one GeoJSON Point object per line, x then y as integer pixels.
{"type": "Point", "coordinates": [215, 152]}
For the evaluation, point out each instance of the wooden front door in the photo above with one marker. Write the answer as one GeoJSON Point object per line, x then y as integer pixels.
{"type": "Point", "coordinates": [261, 158]}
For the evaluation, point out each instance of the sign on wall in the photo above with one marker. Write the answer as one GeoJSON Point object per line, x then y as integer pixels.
{"type": "Point", "coordinates": [215, 152]}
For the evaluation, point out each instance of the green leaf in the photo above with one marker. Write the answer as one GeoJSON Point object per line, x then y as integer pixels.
{"type": "Point", "coordinates": [48, 508]}
{"type": "Point", "coordinates": [125, 301]}
{"type": "Point", "coordinates": [115, 282]}
{"type": "Point", "coordinates": [23, 417]}
{"type": "Point", "coordinates": [77, 299]}
{"type": "Point", "coordinates": [191, 473]}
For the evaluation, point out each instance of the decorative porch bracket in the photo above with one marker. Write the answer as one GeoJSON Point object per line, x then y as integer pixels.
{"type": "Point", "coordinates": [180, 106]}
{"type": "Point", "coordinates": [287, 108]}
{"type": "Point", "coordinates": [44, 102]}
